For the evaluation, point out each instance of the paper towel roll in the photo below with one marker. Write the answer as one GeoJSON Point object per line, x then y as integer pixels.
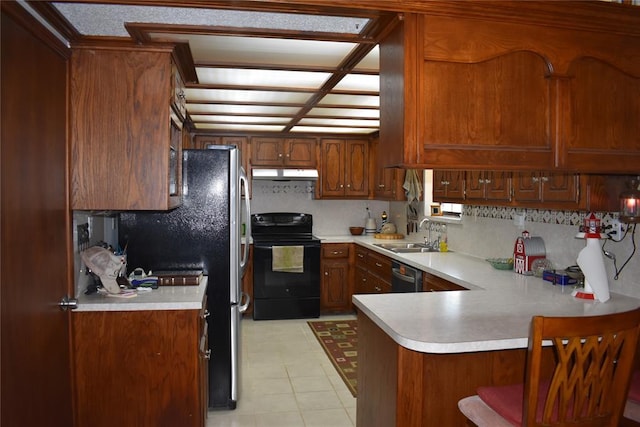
{"type": "Point", "coordinates": [592, 265]}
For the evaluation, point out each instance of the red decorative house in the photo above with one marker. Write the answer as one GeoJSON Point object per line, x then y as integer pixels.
{"type": "Point", "coordinates": [526, 250]}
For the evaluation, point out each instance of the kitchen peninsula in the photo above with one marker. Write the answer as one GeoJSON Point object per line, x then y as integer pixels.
{"type": "Point", "coordinates": [418, 354]}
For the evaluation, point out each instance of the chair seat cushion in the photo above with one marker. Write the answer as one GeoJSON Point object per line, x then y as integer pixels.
{"type": "Point", "coordinates": [634, 388]}
{"type": "Point", "coordinates": [505, 400]}
{"type": "Point", "coordinates": [508, 400]}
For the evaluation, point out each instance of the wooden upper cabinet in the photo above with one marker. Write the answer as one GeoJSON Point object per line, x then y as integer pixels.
{"type": "Point", "coordinates": [126, 151]}
{"type": "Point", "coordinates": [604, 135]}
{"type": "Point", "coordinates": [179, 98]}
{"type": "Point", "coordinates": [344, 168]}
{"type": "Point", "coordinates": [488, 185]}
{"type": "Point", "coordinates": [481, 93]}
{"type": "Point", "coordinates": [289, 152]}
{"type": "Point", "coordinates": [448, 186]}
{"type": "Point", "coordinates": [547, 187]}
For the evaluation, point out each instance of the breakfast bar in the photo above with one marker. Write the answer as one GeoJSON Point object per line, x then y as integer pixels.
{"type": "Point", "coordinates": [419, 353]}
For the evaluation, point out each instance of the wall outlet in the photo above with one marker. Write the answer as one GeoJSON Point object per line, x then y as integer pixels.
{"type": "Point", "coordinates": [616, 230]}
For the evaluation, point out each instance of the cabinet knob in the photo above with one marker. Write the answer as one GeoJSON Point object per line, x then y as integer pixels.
{"type": "Point", "coordinates": [378, 289]}
{"type": "Point", "coordinates": [336, 252]}
{"type": "Point", "coordinates": [380, 185]}
{"type": "Point", "coordinates": [487, 181]}
{"type": "Point", "coordinates": [326, 273]}
{"type": "Point", "coordinates": [534, 179]}
{"type": "Point", "coordinates": [545, 179]}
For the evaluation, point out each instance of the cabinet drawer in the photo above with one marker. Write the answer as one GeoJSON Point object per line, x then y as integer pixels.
{"type": "Point", "coordinates": [361, 256]}
{"type": "Point", "coordinates": [431, 283]}
{"type": "Point", "coordinates": [335, 250]}
{"type": "Point", "coordinates": [379, 265]}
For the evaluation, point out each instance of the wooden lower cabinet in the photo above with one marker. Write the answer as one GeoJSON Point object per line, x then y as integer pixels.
{"type": "Point", "coordinates": [336, 283]}
{"type": "Point", "coordinates": [140, 368]}
{"type": "Point", "coordinates": [404, 388]}
{"type": "Point", "coordinates": [431, 283]}
{"type": "Point", "coordinates": [372, 272]}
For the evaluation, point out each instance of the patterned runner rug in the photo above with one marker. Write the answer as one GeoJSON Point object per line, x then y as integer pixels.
{"type": "Point", "coordinates": [339, 339]}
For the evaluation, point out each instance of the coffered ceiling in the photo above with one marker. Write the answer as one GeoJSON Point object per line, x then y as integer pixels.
{"type": "Point", "coordinates": [253, 70]}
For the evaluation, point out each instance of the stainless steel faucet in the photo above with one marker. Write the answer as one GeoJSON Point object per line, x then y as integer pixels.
{"type": "Point", "coordinates": [427, 239]}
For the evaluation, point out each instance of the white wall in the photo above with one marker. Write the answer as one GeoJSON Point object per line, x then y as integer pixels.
{"type": "Point", "coordinates": [489, 232]}
{"type": "Point", "coordinates": [330, 217]}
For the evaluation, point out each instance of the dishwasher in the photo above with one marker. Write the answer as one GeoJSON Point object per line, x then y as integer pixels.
{"type": "Point", "coordinates": [405, 278]}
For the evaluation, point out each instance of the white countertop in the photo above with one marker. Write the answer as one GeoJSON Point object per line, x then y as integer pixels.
{"type": "Point", "coordinates": [163, 298]}
{"type": "Point", "coordinates": [494, 314]}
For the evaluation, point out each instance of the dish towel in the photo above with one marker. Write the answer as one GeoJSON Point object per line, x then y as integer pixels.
{"type": "Point", "coordinates": [287, 259]}
{"type": "Point", "coordinates": [412, 185]}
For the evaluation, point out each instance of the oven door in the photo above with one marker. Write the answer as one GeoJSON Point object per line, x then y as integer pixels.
{"type": "Point", "coordinates": [277, 284]}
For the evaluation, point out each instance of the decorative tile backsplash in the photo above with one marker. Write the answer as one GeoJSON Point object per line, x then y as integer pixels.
{"type": "Point", "coordinates": [545, 216]}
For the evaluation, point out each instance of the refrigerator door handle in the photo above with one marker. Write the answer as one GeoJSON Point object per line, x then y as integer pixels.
{"type": "Point", "coordinates": [243, 307]}
{"type": "Point", "coordinates": [247, 205]}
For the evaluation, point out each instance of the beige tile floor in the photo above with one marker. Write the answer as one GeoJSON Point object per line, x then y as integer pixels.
{"type": "Point", "coordinates": [287, 380]}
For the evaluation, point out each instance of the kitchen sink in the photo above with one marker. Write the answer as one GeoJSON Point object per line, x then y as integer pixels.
{"type": "Point", "coordinates": [405, 247]}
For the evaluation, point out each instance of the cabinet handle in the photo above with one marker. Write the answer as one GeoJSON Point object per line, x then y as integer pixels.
{"type": "Point", "coordinates": [535, 179]}
{"type": "Point", "coordinates": [336, 252]}
{"type": "Point", "coordinates": [380, 185]}
{"type": "Point", "coordinates": [360, 256]}
{"type": "Point", "coordinates": [206, 314]}
{"type": "Point", "coordinates": [545, 179]}
{"type": "Point", "coordinates": [378, 264]}
{"type": "Point", "coordinates": [378, 289]}
{"type": "Point", "coordinates": [207, 354]}
{"type": "Point", "coordinates": [487, 181]}
{"type": "Point", "coordinates": [480, 181]}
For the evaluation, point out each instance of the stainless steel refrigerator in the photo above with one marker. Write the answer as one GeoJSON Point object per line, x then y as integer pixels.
{"type": "Point", "coordinates": [203, 233]}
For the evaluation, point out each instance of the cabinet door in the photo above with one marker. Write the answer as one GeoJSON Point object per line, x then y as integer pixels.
{"type": "Point", "coordinates": [361, 281]}
{"type": "Point", "coordinates": [267, 152]}
{"type": "Point", "coordinates": [334, 295]}
{"type": "Point", "coordinates": [300, 152]}
{"type": "Point", "coordinates": [475, 185]}
{"type": "Point", "coordinates": [560, 187]}
{"type": "Point", "coordinates": [448, 185]}
{"type": "Point", "coordinates": [357, 168]}
{"type": "Point", "coordinates": [120, 130]}
{"type": "Point", "coordinates": [526, 186]}
{"type": "Point", "coordinates": [332, 168]}
{"type": "Point", "coordinates": [605, 107]}
{"type": "Point", "coordinates": [161, 371]}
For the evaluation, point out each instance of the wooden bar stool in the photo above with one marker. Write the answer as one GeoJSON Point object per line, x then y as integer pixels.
{"type": "Point", "coordinates": [588, 387]}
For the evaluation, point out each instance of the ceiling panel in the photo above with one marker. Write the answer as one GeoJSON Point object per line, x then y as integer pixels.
{"type": "Point", "coordinates": [259, 71]}
{"type": "Point", "coordinates": [270, 78]}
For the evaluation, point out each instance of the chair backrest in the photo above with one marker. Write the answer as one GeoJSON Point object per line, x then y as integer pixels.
{"type": "Point", "coordinates": [594, 362]}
